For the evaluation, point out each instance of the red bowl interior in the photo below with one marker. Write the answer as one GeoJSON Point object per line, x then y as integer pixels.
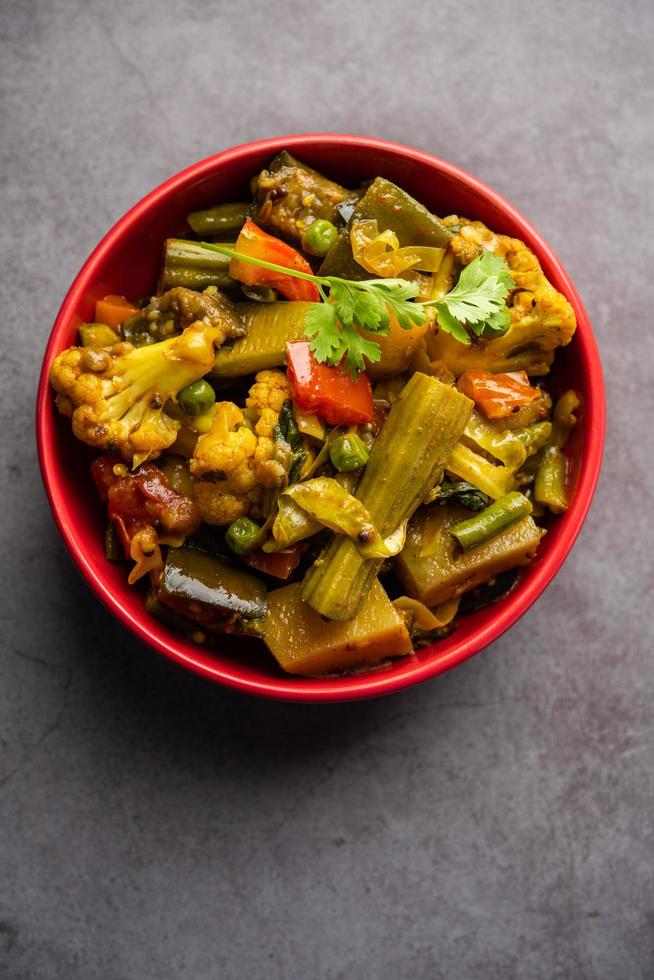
{"type": "Point", "coordinates": [126, 261]}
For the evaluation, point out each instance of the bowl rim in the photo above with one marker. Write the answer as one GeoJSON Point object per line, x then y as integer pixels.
{"type": "Point", "coordinates": [375, 683]}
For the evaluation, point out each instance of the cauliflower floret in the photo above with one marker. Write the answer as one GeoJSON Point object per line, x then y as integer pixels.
{"type": "Point", "coordinates": [270, 390]}
{"type": "Point", "coordinates": [117, 394]}
{"type": "Point", "coordinates": [541, 318]}
{"type": "Point", "coordinates": [234, 462]}
{"type": "Point", "coordinates": [217, 506]}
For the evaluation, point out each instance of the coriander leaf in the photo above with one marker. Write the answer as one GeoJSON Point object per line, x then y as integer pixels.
{"type": "Point", "coordinates": [370, 312]}
{"type": "Point", "coordinates": [477, 294]}
{"type": "Point", "coordinates": [344, 297]}
{"type": "Point", "coordinates": [493, 265]}
{"type": "Point", "coordinates": [394, 295]}
{"type": "Point", "coordinates": [356, 348]}
{"type": "Point", "coordinates": [498, 323]}
{"type": "Point", "coordinates": [450, 324]}
{"type": "Point", "coordinates": [321, 325]}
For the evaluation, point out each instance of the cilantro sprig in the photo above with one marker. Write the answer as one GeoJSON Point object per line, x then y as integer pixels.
{"type": "Point", "coordinates": [349, 306]}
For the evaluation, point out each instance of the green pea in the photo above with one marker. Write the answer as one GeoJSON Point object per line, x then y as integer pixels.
{"type": "Point", "coordinates": [348, 452]}
{"type": "Point", "coordinates": [197, 398]}
{"type": "Point", "coordinates": [319, 237]}
{"type": "Point", "coordinates": [242, 536]}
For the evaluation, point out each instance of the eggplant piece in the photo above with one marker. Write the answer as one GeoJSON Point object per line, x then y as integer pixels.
{"type": "Point", "coordinates": [291, 196]}
{"type": "Point", "coordinates": [210, 592]}
{"type": "Point", "coordinates": [395, 210]}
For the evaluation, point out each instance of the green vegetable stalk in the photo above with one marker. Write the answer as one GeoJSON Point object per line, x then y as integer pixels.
{"type": "Point", "coordinates": [549, 485]}
{"type": "Point", "coordinates": [492, 521]}
{"type": "Point", "coordinates": [223, 219]}
{"type": "Point", "coordinates": [407, 456]}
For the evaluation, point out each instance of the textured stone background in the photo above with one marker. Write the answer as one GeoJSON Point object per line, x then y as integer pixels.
{"type": "Point", "coordinates": [493, 824]}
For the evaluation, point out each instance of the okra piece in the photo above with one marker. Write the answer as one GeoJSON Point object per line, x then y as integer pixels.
{"type": "Point", "coordinates": [405, 461]}
{"type": "Point", "coordinates": [223, 219]}
{"type": "Point", "coordinates": [269, 328]}
{"type": "Point", "coordinates": [549, 485]}
{"type": "Point", "coordinates": [188, 264]}
{"type": "Point", "coordinates": [492, 521]}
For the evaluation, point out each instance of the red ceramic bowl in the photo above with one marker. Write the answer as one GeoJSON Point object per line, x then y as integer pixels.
{"type": "Point", "coordinates": [126, 261]}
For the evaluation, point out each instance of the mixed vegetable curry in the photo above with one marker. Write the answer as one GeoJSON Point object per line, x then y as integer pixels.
{"type": "Point", "coordinates": [329, 428]}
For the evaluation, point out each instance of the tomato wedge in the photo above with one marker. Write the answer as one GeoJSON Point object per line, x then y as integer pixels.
{"type": "Point", "coordinates": [141, 498]}
{"type": "Point", "coordinates": [328, 391]}
{"type": "Point", "coordinates": [498, 395]}
{"type": "Point", "coordinates": [258, 244]}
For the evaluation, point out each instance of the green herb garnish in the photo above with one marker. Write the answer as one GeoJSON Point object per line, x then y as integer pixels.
{"type": "Point", "coordinates": [333, 326]}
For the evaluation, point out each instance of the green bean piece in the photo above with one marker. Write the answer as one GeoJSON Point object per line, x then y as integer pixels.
{"type": "Point", "coordinates": [549, 485]}
{"type": "Point", "coordinates": [188, 264]}
{"type": "Point", "coordinates": [197, 398]}
{"type": "Point", "coordinates": [348, 452]}
{"type": "Point", "coordinates": [319, 237]}
{"type": "Point", "coordinates": [242, 536]}
{"type": "Point", "coordinates": [492, 521]}
{"type": "Point", "coordinates": [223, 219]}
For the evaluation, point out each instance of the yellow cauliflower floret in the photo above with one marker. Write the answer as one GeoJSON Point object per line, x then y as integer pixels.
{"type": "Point", "coordinates": [541, 318]}
{"type": "Point", "coordinates": [270, 390]}
{"type": "Point", "coordinates": [218, 506]}
{"type": "Point", "coordinates": [234, 462]}
{"type": "Point", "coordinates": [116, 395]}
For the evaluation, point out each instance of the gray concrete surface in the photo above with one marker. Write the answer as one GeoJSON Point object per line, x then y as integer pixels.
{"type": "Point", "coordinates": [493, 824]}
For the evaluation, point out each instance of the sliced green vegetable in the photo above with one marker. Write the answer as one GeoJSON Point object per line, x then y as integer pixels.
{"type": "Point", "coordinates": [549, 485]}
{"type": "Point", "coordinates": [269, 328]}
{"type": "Point", "coordinates": [188, 264]}
{"type": "Point", "coordinates": [490, 522]}
{"type": "Point", "coordinates": [408, 454]}
{"type": "Point", "coordinates": [291, 524]}
{"type": "Point", "coordinates": [223, 219]}
{"type": "Point", "coordinates": [471, 466]}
